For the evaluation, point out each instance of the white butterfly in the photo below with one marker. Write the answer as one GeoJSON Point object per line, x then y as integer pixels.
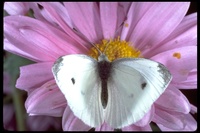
{"type": "Point", "coordinates": [119, 93]}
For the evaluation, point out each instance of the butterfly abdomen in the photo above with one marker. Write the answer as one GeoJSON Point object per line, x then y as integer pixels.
{"type": "Point", "coordinates": [104, 73]}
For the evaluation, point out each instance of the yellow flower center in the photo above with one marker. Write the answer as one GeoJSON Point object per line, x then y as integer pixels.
{"type": "Point", "coordinates": [115, 49]}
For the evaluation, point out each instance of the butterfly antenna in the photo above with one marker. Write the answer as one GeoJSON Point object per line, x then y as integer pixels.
{"type": "Point", "coordinates": [106, 46]}
{"type": "Point", "coordinates": [88, 40]}
{"type": "Point", "coordinates": [120, 26]}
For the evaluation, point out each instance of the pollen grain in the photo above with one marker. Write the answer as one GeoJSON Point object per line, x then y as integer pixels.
{"type": "Point", "coordinates": [177, 55]}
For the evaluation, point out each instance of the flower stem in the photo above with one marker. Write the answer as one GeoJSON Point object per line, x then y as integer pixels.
{"type": "Point", "coordinates": [19, 109]}
{"type": "Point", "coordinates": [11, 65]}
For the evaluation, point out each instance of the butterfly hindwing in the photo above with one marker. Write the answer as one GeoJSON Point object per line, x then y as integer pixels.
{"type": "Point", "coordinates": [133, 86]}
{"type": "Point", "coordinates": [78, 80]}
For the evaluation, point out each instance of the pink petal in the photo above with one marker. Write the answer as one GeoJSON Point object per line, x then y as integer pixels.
{"type": "Point", "coordinates": [38, 12]}
{"type": "Point", "coordinates": [46, 100]}
{"type": "Point", "coordinates": [72, 123]}
{"type": "Point", "coordinates": [35, 75]}
{"type": "Point", "coordinates": [193, 109]}
{"type": "Point", "coordinates": [125, 6]}
{"type": "Point", "coordinates": [135, 13]}
{"type": "Point", "coordinates": [173, 100]}
{"type": "Point", "coordinates": [42, 41]}
{"type": "Point", "coordinates": [17, 50]}
{"type": "Point", "coordinates": [58, 16]}
{"type": "Point", "coordinates": [190, 83]}
{"type": "Point", "coordinates": [174, 122]}
{"type": "Point", "coordinates": [122, 11]}
{"type": "Point", "coordinates": [185, 34]}
{"type": "Point", "coordinates": [41, 14]}
{"type": "Point", "coordinates": [56, 10]}
{"type": "Point", "coordinates": [179, 67]}
{"type": "Point", "coordinates": [104, 127]}
{"type": "Point", "coordinates": [46, 11]}
{"type": "Point", "coordinates": [146, 119]}
{"type": "Point", "coordinates": [108, 14]}
{"type": "Point", "coordinates": [85, 16]}
{"type": "Point", "coordinates": [112, 15]}
{"type": "Point", "coordinates": [43, 123]}
{"type": "Point", "coordinates": [137, 128]}
{"type": "Point", "coordinates": [156, 23]}
{"type": "Point", "coordinates": [191, 125]}
{"type": "Point", "coordinates": [16, 8]}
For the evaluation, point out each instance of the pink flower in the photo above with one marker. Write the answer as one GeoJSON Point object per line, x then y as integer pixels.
{"type": "Point", "coordinates": [161, 31]}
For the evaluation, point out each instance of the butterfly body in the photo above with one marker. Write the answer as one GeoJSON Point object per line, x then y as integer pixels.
{"type": "Point", "coordinates": [119, 93]}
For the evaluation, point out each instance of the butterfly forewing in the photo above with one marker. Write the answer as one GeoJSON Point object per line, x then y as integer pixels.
{"type": "Point", "coordinates": [78, 80]}
{"type": "Point", "coordinates": [134, 85]}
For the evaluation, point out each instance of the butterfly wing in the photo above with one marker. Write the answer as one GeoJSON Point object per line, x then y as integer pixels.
{"type": "Point", "coordinates": [133, 87]}
{"type": "Point", "coordinates": [77, 78]}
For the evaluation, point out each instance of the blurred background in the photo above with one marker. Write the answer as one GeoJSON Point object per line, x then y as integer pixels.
{"type": "Point", "coordinates": [15, 117]}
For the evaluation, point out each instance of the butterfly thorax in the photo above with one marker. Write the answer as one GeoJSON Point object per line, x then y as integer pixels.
{"type": "Point", "coordinates": [104, 67]}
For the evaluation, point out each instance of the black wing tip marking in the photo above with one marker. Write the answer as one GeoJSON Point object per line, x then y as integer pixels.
{"type": "Point", "coordinates": [166, 75]}
{"type": "Point", "coordinates": [60, 59]}
{"type": "Point", "coordinates": [56, 65]}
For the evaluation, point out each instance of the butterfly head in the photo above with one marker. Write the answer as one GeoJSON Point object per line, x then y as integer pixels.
{"type": "Point", "coordinates": [103, 57]}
